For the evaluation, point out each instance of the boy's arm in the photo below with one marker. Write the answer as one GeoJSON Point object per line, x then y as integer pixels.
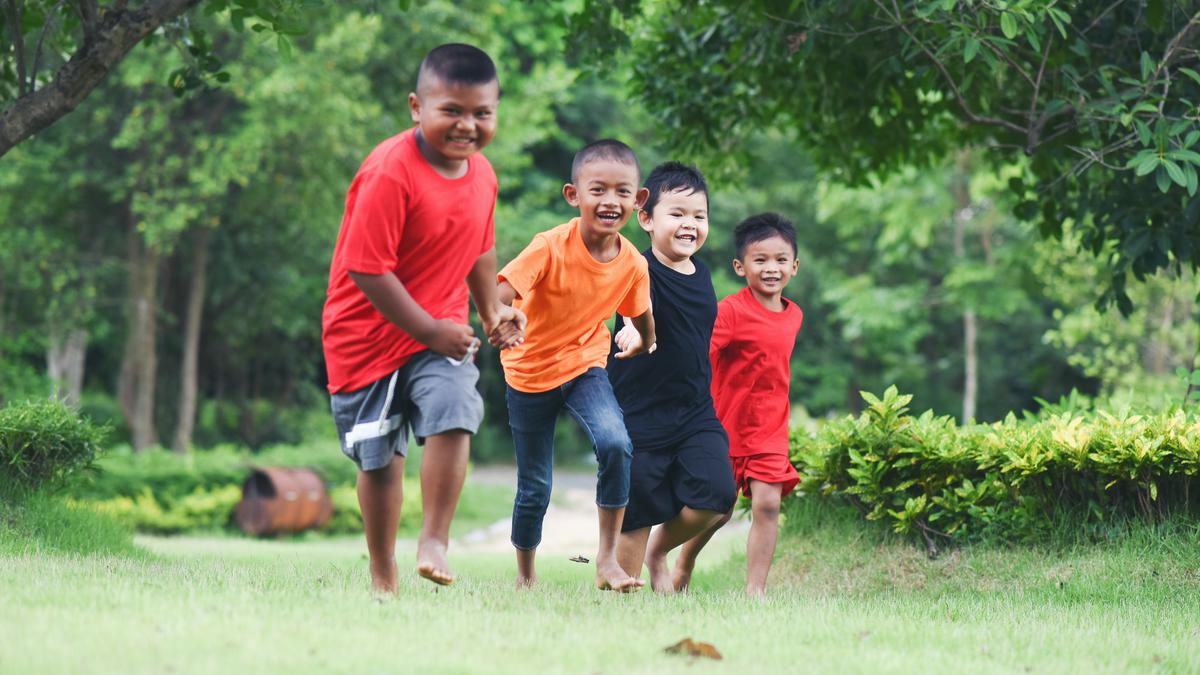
{"type": "Point", "coordinates": [504, 325]}
{"type": "Point", "coordinates": [644, 325]}
{"type": "Point", "coordinates": [391, 298]}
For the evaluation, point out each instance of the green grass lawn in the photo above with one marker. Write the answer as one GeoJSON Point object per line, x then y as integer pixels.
{"type": "Point", "coordinates": [842, 600]}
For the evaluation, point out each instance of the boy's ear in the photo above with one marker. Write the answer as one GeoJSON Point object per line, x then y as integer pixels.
{"type": "Point", "coordinates": [642, 195]}
{"type": "Point", "coordinates": [738, 269]}
{"type": "Point", "coordinates": [414, 107]}
{"type": "Point", "coordinates": [571, 194]}
{"type": "Point", "coordinates": [644, 218]}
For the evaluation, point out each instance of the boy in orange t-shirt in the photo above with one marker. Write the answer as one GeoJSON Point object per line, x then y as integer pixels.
{"type": "Point", "coordinates": [569, 281]}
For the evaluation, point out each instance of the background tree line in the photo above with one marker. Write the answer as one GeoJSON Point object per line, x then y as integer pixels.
{"type": "Point", "coordinates": [165, 256]}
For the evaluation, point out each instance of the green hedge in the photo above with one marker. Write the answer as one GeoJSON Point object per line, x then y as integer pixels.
{"type": "Point", "coordinates": [42, 443]}
{"type": "Point", "coordinates": [162, 492]}
{"type": "Point", "coordinates": [1014, 480]}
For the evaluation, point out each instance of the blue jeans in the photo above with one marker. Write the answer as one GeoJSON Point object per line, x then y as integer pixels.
{"type": "Point", "coordinates": [590, 400]}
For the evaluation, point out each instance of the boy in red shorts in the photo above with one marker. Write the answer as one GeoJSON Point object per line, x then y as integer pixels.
{"type": "Point", "coordinates": [751, 355]}
{"type": "Point", "coordinates": [416, 235]}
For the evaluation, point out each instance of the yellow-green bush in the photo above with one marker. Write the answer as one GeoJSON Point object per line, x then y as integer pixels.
{"type": "Point", "coordinates": [1013, 479]}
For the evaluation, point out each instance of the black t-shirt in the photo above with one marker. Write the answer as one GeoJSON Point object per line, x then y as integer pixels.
{"type": "Point", "coordinates": [667, 395]}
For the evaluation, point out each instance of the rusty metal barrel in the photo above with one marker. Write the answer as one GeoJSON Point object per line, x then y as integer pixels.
{"type": "Point", "coordinates": [278, 500]}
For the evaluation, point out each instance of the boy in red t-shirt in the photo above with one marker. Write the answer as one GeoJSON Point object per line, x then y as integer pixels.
{"type": "Point", "coordinates": [417, 233]}
{"type": "Point", "coordinates": [751, 355]}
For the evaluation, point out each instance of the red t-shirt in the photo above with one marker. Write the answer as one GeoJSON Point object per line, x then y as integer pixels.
{"type": "Point", "coordinates": [751, 355]}
{"type": "Point", "coordinates": [405, 218]}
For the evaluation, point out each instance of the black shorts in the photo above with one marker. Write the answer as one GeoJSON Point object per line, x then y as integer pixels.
{"type": "Point", "coordinates": [694, 472]}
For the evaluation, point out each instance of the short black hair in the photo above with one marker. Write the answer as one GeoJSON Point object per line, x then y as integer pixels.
{"type": "Point", "coordinates": [763, 226]}
{"type": "Point", "coordinates": [607, 148]}
{"type": "Point", "coordinates": [671, 176]}
{"type": "Point", "coordinates": [457, 63]}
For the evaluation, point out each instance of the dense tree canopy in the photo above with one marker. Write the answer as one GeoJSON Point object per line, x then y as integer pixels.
{"type": "Point", "coordinates": [1097, 102]}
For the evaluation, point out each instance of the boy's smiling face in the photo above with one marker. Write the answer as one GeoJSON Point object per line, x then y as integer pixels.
{"type": "Point", "coordinates": [767, 265]}
{"type": "Point", "coordinates": [606, 193]}
{"type": "Point", "coordinates": [456, 120]}
{"type": "Point", "coordinates": [678, 225]}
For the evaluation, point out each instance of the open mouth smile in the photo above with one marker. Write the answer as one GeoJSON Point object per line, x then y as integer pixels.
{"type": "Point", "coordinates": [608, 217]}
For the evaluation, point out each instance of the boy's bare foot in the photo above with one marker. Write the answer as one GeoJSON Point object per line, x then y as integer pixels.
{"type": "Point", "coordinates": [660, 573]}
{"type": "Point", "coordinates": [526, 583]}
{"type": "Point", "coordinates": [431, 562]}
{"type": "Point", "coordinates": [681, 578]}
{"type": "Point", "coordinates": [384, 577]}
{"type": "Point", "coordinates": [610, 577]}
{"type": "Point", "coordinates": [756, 592]}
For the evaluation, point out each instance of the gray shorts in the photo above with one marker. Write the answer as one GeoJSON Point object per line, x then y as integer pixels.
{"type": "Point", "coordinates": [427, 395]}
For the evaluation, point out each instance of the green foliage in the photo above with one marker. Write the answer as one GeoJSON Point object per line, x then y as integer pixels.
{"type": "Point", "coordinates": [1097, 100]}
{"type": "Point", "coordinates": [926, 476]}
{"type": "Point", "coordinates": [42, 443]}
{"type": "Point", "coordinates": [170, 476]}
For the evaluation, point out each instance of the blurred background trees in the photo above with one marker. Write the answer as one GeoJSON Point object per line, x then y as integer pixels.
{"type": "Point", "coordinates": [166, 248]}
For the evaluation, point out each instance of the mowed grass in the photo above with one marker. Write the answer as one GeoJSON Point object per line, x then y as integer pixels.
{"type": "Point", "coordinates": [842, 600]}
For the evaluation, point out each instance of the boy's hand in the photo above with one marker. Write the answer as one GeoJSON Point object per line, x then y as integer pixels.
{"type": "Point", "coordinates": [629, 341]}
{"type": "Point", "coordinates": [506, 329]}
{"type": "Point", "coordinates": [448, 338]}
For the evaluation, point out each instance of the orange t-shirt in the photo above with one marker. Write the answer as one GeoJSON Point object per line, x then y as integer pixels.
{"type": "Point", "coordinates": [567, 296]}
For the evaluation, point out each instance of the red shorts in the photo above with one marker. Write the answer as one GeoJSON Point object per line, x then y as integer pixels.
{"type": "Point", "coordinates": [768, 467]}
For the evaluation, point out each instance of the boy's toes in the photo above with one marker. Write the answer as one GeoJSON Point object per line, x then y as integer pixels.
{"type": "Point", "coordinates": [435, 574]}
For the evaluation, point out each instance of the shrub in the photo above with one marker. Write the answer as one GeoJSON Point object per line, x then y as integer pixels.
{"type": "Point", "coordinates": [1015, 479]}
{"type": "Point", "coordinates": [44, 442]}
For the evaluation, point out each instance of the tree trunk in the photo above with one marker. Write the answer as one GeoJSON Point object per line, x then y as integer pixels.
{"type": "Point", "coordinates": [65, 362]}
{"type": "Point", "coordinates": [126, 380]}
{"type": "Point", "coordinates": [962, 213]}
{"type": "Point", "coordinates": [188, 385]}
{"type": "Point", "coordinates": [146, 339]}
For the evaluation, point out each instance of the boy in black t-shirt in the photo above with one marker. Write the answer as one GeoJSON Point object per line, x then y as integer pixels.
{"type": "Point", "coordinates": [680, 476]}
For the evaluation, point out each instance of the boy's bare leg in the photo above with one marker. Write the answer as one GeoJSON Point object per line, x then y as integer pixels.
{"type": "Point", "coordinates": [764, 530]}
{"type": "Point", "coordinates": [683, 527]}
{"type": "Point", "coordinates": [526, 573]}
{"type": "Point", "coordinates": [380, 494]}
{"type": "Point", "coordinates": [609, 574]}
{"type": "Point", "coordinates": [443, 469]}
{"type": "Point", "coordinates": [631, 550]}
{"type": "Point", "coordinates": [681, 577]}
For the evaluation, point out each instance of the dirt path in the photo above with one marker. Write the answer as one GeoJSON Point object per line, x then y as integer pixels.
{"type": "Point", "coordinates": [570, 525]}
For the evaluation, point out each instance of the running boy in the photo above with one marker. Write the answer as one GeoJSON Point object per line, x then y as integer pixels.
{"type": "Point", "coordinates": [418, 223]}
{"type": "Point", "coordinates": [569, 280]}
{"type": "Point", "coordinates": [751, 359]}
{"type": "Point", "coordinates": [680, 475]}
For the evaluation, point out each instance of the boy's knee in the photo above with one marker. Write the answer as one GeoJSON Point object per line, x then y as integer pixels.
{"type": "Point", "coordinates": [613, 445]}
{"type": "Point", "coordinates": [766, 507]}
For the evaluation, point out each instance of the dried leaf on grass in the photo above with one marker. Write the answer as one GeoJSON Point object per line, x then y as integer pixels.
{"type": "Point", "coordinates": [690, 647]}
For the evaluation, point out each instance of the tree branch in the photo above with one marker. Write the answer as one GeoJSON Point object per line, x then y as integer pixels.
{"type": "Point", "coordinates": [88, 12]}
{"type": "Point", "coordinates": [14, 26]}
{"type": "Point", "coordinates": [37, 53]}
{"type": "Point", "coordinates": [962, 102]}
{"type": "Point", "coordinates": [116, 33]}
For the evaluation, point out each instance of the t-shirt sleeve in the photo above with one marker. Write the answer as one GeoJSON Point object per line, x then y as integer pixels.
{"type": "Point", "coordinates": [375, 224]}
{"type": "Point", "coordinates": [722, 331]}
{"type": "Point", "coordinates": [637, 300]}
{"type": "Point", "coordinates": [527, 269]}
{"type": "Point", "coordinates": [489, 234]}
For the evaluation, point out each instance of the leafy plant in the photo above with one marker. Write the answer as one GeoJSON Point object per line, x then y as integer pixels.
{"type": "Point", "coordinates": [44, 442]}
{"type": "Point", "coordinates": [926, 476]}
